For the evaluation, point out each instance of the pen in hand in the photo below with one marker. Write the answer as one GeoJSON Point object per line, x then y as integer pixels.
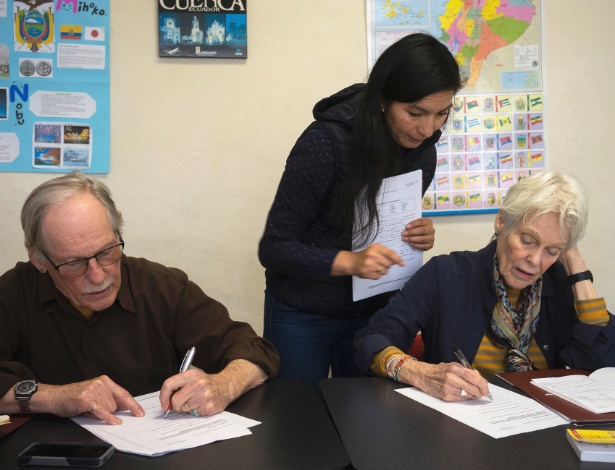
{"type": "Point", "coordinates": [186, 363]}
{"type": "Point", "coordinates": [465, 363]}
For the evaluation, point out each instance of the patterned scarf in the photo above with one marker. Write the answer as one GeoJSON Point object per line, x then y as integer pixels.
{"type": "Point", "coordinates": [514, 329]}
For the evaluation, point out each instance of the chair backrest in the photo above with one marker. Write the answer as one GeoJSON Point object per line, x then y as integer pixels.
{"type": "Point", "coordinates": [417, 348]}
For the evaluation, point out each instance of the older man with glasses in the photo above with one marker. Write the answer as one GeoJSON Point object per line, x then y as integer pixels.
{"type": "Point", "coordinates": [84, 327]}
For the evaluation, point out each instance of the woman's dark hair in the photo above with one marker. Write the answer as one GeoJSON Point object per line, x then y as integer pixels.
{"type": "Point", "coordinates": [414, 67]}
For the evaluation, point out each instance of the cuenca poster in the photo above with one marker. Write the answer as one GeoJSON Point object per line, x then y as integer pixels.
{"type": "Point", "coordinates": [203, 28]}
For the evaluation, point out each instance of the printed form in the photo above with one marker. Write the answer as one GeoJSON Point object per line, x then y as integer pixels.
{"type": "Point", "coordinates": [507, 415]}
{"type": "Point", "coordinates": [154, 435]}
{"type": "Point", "coordinates": [399, 202]}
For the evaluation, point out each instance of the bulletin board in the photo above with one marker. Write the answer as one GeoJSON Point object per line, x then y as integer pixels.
{"type": "Point", "coordinates": [54, 86]}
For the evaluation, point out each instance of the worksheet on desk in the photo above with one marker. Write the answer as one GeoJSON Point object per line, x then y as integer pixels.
{"type": "Point", "coordinates": [507, 415]}
{"type": "Point", "coordinates": [399, 202]}
{"type": "Point", "coordinates": [154, 435]}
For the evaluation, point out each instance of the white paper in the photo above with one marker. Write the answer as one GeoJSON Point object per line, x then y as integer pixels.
{"type": "Point", "coordinates": [58, 104]}
{"type": "Point", "coordinates": [399, 202]}
{"type": "Point", "coordinates": [595, 393]}
{"type": "Point", "coordinates": [154, 435]}
{"type": "Point", "coordinates": [78, 56]}
{"type": "Point", "coordinates": [507, 415]}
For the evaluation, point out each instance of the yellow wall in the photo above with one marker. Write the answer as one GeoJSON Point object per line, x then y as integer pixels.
{"type": "Point", "coordinates": [198, 146]}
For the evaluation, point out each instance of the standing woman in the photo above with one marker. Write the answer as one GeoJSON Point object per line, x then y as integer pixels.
{"type": "Point", "coordinates": [361, 135]}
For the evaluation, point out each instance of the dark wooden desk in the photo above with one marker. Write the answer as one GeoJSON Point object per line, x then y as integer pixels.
{"type": "Point", "coordinates": [382, 429]}
{"type": "Point", "coordinates": [295, 433]}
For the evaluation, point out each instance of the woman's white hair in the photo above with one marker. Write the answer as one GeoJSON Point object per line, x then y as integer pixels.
{"type": "Point", "coordinates": [547, 193]}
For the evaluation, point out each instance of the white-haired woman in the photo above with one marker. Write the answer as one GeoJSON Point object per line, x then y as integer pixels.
{"type": "Point", "coordinates": [526, 301]}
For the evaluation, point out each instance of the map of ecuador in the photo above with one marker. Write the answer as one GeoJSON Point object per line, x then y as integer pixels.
{"type": "Point", "coordinates": [475, 29]}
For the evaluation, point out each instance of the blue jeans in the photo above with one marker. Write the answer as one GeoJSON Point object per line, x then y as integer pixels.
{"type": "Point", "coordinates": [310, 344]}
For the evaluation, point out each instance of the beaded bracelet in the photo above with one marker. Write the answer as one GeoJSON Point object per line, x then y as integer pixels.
{"type": "Point", "coordinates": [400, 363]}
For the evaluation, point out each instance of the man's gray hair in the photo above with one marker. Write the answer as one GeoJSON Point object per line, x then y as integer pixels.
{"type": "Point", "coordinates": [547, 193]}
{"type": "Point", "coordinates": [58, 190]}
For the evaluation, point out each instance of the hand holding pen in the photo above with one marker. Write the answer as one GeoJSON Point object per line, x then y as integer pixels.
{"type": "Point", "coordinates": [186, 363]}
{"type": "Point", "coordinates": [465, 363]}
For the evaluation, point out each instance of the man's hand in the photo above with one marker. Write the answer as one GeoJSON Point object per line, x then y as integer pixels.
{"type": "Point", "coordinates": [99, 397]}
{"type": "Point", "coordinates": [209, 394]}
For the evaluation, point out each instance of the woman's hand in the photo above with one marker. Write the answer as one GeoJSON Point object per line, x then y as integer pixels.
{"type": "Point", "coordinates": [574, 263]}
{"type": "Point", "coordinates": [420, 234]}
{"type": "Point", "coordinates": [371, 263]}
{"type": "Point", "coordinates": [447, 381]}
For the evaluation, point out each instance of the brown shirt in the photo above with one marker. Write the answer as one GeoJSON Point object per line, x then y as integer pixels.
{"type": "Point", "coordinates": [138, 342]}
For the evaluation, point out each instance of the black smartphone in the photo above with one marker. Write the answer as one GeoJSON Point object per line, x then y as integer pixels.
{"type": "Point", "coordinates": [66, 454]}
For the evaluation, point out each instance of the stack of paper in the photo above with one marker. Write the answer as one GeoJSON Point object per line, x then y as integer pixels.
{"type": "Point", "coordinates": [154, 434]}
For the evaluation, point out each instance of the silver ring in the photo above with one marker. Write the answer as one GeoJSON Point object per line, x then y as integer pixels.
{"type": "Point", "coordinates": [187, 407]}
{"type": "Point", "coordinates": [194, 413]}
{"type": "Point", "coordinates": [463, 393]}
{"type": "Point", "coordinates": [94, 407]}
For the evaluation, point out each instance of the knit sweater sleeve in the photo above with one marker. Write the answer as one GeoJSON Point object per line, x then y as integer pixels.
{"type": "Point", "coordinates": [305, 185]}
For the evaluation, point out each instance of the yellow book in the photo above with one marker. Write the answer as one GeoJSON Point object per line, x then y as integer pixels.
{"type": "Point", "coordinates": [601, 451]}
{"type": "Point", "coordinates": [596, 436]}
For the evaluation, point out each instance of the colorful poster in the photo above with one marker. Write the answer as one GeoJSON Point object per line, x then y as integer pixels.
{"type": "Point", "coordinates": [495, 133]}
{"type": "Point", "coordinates": [214, 29]}
{"type": "Point", "coordinates": [54, 86]}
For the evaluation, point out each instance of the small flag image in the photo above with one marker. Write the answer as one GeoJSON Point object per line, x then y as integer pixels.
{"type": "Point", "coordinates": [94, 34]}
{"type": "Point", "coordinates": [505, 140]}
{"type": "Point", "coordinates": [442, 180]}
{"type": "Point", "coordinates": [504, 102]}
{"type": "Point", "coordinates": [473, 122]}
{"type": "Point", "coordinates": [537, 158]}
{"type": "Point", "coordinates": [506, 177]}
{"type": "Point", "coordinates": [536, 119]}
{"type": "Point", "coordinates": [474, 179]}
{"type": "Point", "coordinates": [441, 161]}
{"type": "Point", "coordinates": [536, 139]}
{"type": "Point", "coordinates": [70, 32]}
{"type": "Point", "coordinates": [472, 104]}
{"type": "Point", "coordinates": [474, 161]}
{"type": "Point", "coordinates": [505, 159]}
{"type": "Point", "coordinates": [536, 101]}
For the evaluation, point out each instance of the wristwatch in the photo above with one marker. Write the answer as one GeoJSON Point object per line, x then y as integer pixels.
{"type": "Point", "coordinates": [584, 276]}
{"type": "Point", "coordinates": [23, 392]}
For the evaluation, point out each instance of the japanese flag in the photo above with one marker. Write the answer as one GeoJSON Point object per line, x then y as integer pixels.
{"type": "Point", "coordinates": [94, 34]}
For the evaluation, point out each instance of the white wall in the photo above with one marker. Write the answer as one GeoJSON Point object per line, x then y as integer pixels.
{"type": "Point", "coordinates": [198, 146]}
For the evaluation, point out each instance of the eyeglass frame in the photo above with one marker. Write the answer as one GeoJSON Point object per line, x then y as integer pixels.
{"type": "Point", "coordinates": [86, 259]}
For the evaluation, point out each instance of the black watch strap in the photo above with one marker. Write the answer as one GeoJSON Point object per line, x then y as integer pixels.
{"type": "Point", "coordinates": [585, 275]}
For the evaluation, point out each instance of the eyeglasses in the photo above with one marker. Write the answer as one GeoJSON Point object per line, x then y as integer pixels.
{"type": "Point", "coordinates": [79, 267]}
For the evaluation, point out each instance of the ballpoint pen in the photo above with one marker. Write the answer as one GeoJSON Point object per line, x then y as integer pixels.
{"type": "Point", "coordinates": [186, 363]}
{"type": "Point", "coordinates": [465, 363]}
